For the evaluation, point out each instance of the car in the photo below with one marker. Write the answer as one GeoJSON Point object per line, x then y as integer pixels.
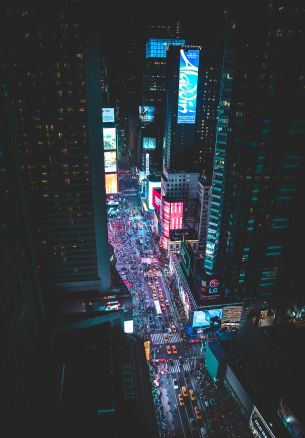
{"type": "Point", "coordinates": [166, 338]}
{"type": "Point", "coordinates": [192, 395]}
{"type": "Point", "coordinates": [174, 330]}
{"type": "Point", "coordinates": [185, 391]}
{"type": "Point", "coordinates": [175, 384]}
{"type": "Point", "coordinates": [174, 349]}
{"type": "Point", "coordinates": [168, 349]}
{"type": "Point", "coordinates": [166, 303]}
{"type": "Point", "coordinates": [197, 413]}
{"type": "Point", "coordinates": [181, 400]}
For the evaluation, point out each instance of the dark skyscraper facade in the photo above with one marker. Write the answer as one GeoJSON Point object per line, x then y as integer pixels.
{"type": "Point", "coordinates": [53, 72]}
{"type": "Point", "coordinates": [258, 163]}
{"type": "Point", "coordinates": [159, 38]}
{"type": "Point", "coordinates": [22, 302]}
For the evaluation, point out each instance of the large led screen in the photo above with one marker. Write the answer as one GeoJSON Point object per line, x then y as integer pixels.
{"type": "Point", "coordinates": [187, 93]}
{"type": "Point", "coordinates": [147, 113]}
{"type": "Point", "coordinates": [149, 143]}
{"type": "Point", "coordinates": [109, 139]}
{"type": "Point", "coordinates": [151, 186]}
{"type": "Point", "coordinates": [156, 199]}
{"type": "Point", "coordinates": [205, 318]}
{"type": "Point", "coordinates": [111, 183]}
{"type": "Point", "coordinates": [110, 161]}
{"type": "Point", "coordinates": [108, 115]}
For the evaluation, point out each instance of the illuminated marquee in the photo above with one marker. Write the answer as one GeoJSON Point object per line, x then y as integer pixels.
{"type": "Point", "coordinates": [188, 79]}
{"type": "Point", "coordinates": [109, 135]}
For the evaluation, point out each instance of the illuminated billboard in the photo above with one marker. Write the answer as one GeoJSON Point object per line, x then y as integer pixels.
{"type": "Point", "coordinates": [111, 183]}
{"type": "Point", "coordinates": [109, 135]}
{"type": "Point", "coordinates": [108, 115]}
{"type": "Point", "coordinates": [156, 199]}
{"type": "Point", "coordinates": [206, 318]}
{"type": "Point", "coordinates": [151, 186]}
{"type": "Point", "coordinates": [110, 161]}
{"type": "Point", "coordinates": [128, 326]}
{"type": "Point", "coordinates": [188, 78]}
{"type": "Point", "coordinates": [231, 314]}
{"type": "Point", "coordinates": [147, 113]}
{"type": "Point", "coordinates": [149, 143]}
{"type": "Point", "coordinates": [147, 163]}
{"type": "Point", "coordinates": [172, 216]}
{"type": "Point", "coordinates": [156, 47]}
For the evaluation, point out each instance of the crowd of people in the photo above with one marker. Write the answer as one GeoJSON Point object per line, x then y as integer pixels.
{"type": "Point", "coordinates": [131, 237]}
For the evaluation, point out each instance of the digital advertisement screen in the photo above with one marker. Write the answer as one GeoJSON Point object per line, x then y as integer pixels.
{"type": "Point", "coordinates": [110, 161]}
{"type": "Point", "coordinates": [231, 314]}
{"type": "Point", "coordinates": [151, 187]}
{"type": "Point", "coordinates": [111, 183]}
{"type": "Point", "coordinates": [188, 79]}
{"type": "Point", "coordinates": [176, 216]}
{"type": "Point", "coordinates": [108, 115]}
{"type": "Point", "coordinates": [128, 326]}
{"type": "Point", "coordinates": [149, 143]}
{"type": "Point", "coordinates": [147, 113]}
{"type": "Point", "coordinates": [156, 199]}
{"type": "Point", "coordinates": [205, 318]}
{"type": "Point", "coordinates": [109, 135]}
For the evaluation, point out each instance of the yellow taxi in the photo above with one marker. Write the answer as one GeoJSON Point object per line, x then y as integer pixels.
{"type": "Point", "coordinates": [181, 400]}
{"type": "Point", "coordinates": [185, 391]}
{"type": "Point", "coordinates": [168, 349]}
{"type": "Point", "coordinates": [192, 395]}
{"type": "Point", "coordinates": [174, 349]}
{"type": "Point", "coordinates": [197, 413]}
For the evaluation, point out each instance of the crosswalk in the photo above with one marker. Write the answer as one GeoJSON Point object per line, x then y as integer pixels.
{"type": "Point", "coordinates": [177, 368]}
{"type": "Point", "coordinates": [158, 338]}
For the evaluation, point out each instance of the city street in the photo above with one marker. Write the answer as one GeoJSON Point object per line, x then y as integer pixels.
{"type": "Point", "coordinates": [192, 405]}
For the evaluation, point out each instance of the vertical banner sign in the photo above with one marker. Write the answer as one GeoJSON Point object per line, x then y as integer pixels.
{"type": "Point", "coordinates": [147, 164]}
{"type": "Point", "coordinates": [187, 93]}
{"type": "Point", "coordinates": [147, 350]}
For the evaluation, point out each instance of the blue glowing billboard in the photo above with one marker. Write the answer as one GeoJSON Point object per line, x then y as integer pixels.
{"type": "Point", "coordinates": [156, 47]}
{"type": "Point", "coordinates": [206, 318]}
{"type": "Point", "coordinates": [149, 143]}
{"type": "Point", "coordinates": [188, 79]}
{"type": "Point", "coordinates": [108, 115]}
{"type": "Point", "coordinates": [147, 113]}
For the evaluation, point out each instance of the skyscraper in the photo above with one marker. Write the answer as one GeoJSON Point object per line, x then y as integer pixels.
{"type": "Point", "coordinates": [159, 38]}
{"type": "Point", "coordinates": [53, 71]}
{"type": "Point", "coordinates": [258, 162]}
{"type": "Point", "coordinates": [22, 301]}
